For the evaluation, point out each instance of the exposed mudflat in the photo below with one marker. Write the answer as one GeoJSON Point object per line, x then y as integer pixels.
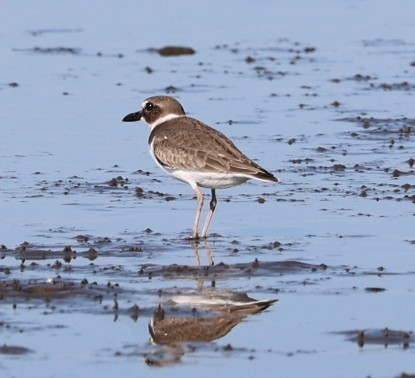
{"type": "Point", "coordinates": [310, 277]}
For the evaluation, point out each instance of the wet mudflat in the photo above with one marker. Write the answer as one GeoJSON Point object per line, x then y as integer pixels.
{"type": "Point", "coordinates": [313, 276]}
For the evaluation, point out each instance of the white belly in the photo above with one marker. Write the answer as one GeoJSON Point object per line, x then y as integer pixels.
{"type": "Point", "coordinates": [212, 180]}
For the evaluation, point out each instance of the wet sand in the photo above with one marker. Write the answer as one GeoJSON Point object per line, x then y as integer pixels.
{"type": "Point", "coordinates": [312, 276]}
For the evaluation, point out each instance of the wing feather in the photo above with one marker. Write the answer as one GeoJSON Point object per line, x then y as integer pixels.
{"type": "Point", "coordinates": [187, 143]}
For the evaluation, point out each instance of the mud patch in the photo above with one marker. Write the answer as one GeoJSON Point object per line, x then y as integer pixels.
{"type": "Point", "coordinates": [165, 356]}
{"type": "Point", "coordinates": [53, 50]}
{"type": "Point", "coordinates": [381, 128]}
{"type": "Point", "coordinates": [40, 32]}
{"type": "Point", "coordinates": [14, 350]}
{"type": "Point", "coordinates": [167, 51]}
{"type": "Point", "coordinates": [223, 271]}
{"type": "Point", "coordinates": [386, 337]}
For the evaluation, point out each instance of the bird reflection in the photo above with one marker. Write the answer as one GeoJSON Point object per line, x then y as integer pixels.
{"type": "Point", "coordinates": [209, 252]}
{"type": "Point", "coordinates": [197, 316]}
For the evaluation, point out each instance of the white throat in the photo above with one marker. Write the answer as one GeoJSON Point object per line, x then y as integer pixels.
{"type": "Point", "coordinates": [165, 118]}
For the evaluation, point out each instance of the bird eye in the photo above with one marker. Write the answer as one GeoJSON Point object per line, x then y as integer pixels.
{"type": "Point", "coordinates": [149, 106]}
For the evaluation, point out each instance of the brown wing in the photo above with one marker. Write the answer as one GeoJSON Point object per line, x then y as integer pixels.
{"type": "Point", "coordinates": [189, 144]}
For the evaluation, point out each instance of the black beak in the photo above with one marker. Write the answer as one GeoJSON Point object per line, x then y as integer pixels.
{"type": "Point", "coordinates": [133, 117]}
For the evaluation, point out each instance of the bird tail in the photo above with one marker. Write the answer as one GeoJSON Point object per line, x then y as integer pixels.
{"type": "Point", "coordinates": [264, 175]}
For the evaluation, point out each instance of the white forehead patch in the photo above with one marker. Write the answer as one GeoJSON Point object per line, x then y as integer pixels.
{"type": "Point", "coordinates": [144, 104]}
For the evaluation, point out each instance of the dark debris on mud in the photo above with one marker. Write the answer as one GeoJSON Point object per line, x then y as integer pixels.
{"type": "Point", "coordinates": [223, 271]}
{"type": "Point", "coordinates": [379, 128]}
{"type": "Point", "coordinates": [14, 350]}
{"type": "Point", "coordinates": [115, 187]}
{"type": "Point", "coordinates": [377, 177]}
{"type": "Point", "coordinates": [402, 86]}
{"type": "Point", "coordinates": [169, 51]}
{"type": "Point", "coordinates": [61, 50]}
{"type": "Point", "coordinates": [69, 296]}
{"type": "Point", "coordinates": [92, 248]}
{"type": "Point", "coordinates": [41, 32]}
{"type": "Point", "coordinates": [386, 337]}
{"type": "Point", "coordinates": [54, 289]}
{"type": "Point", "coordinates": [169, 355]}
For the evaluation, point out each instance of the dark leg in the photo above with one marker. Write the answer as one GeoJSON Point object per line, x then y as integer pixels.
{"type": "Point", "coordinates": [212, 205]}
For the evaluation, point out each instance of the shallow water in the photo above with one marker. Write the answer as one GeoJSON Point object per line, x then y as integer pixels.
{"type": "Point", "coordinates": [321, 96]}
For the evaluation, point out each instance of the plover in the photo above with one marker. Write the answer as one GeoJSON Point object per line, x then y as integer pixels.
{"type": "Point", "coordinates": [218, 312]}
{"type": "Point", "coordinates": [190, 151]}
